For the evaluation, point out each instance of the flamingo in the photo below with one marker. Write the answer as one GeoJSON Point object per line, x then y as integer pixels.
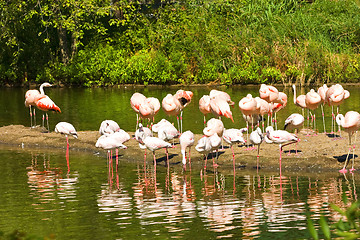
{"type": "Point", "coordinates": [263, 107]}
{"type": "Point", "coordinates": [186, 139]}
{"type": "Point", "coordinates": [171, 106]}
{"type": "Point", "coordinates": [233, 136]}
{"type": "Point", "coordinates": [322, 92]}
{"type": "Point", "coordinates": [215, 142]}
{"type": "Point", "coordinates": [153, 144]}
{"type": "Point", "coordinates": [110, 142]}
{"type": "Point", "coordinates": [204, 106]}
{"type": "Point", "coordinates": [280, 137]}
{"type": "Point", "coordinates": [30, 99]}
{"type": "Point", "coordinates": [167, 132]}
{"type": "Point", "coordinates": [350, 123]}
{"type": "Point", "coordinates": [299, 100]}
{"type": "Point", "coordinates": [140, 134]}
{"type": "Point", "coordinates": [335, 96]}
{"type": "Point", "coordinates": [312, 101]}
{"type": "Point", "coordinates": [220, 107]}
{"type": "Point", "coordinates": [66, 129]}
{"type": "Point", "coordinates": [248, 106]}
{"type": "Point", "coordinates": [44, 103]}
{"type": "Point", "coordinates": [268, 93]}
{"type": "Point", "coordinates": [294, 121]}
{"type": "Point", "coordinates": [204, 146]}
{"type": "Point", "coordinates": [184, 97]}
{"type": "Point", "coordinates": [108, 127]}
{"type": "Point", "coordinates": [221, 94]}
{"type": "Point", "coordinates": [279, 104]}
{"type": "Point", "coordinates": [256, 138]}
{"type": "Point", "coordinates": [214, 126]}
{"type": "Point", "coordinates": [135, 101]}
{"type": "Point", "coordinates": [163, 122]}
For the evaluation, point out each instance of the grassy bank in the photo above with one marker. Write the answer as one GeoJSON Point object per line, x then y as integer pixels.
{"type": "Point", "coordinates": [105, 43]}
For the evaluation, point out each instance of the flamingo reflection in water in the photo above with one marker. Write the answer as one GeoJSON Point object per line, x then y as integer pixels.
{"type": "Point", "coordinates": [46, 182]}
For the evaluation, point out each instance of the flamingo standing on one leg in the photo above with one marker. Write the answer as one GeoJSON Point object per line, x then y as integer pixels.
{"type": "Point", "coordinates": [350, 123]}
{"type": "Point", "coordinates": [335, 96]}
{"type": "Point", "coordinates": [248, 106]}
{"type": "Point", "coordinates": [66, 129]}
{"type": "Point", "coordinates": [30, 100]}
{"type": "Point", "coordinates": [44, 103]}
{"type": "Point", "coordinates": [220, 107]}
{"type": "Point", "coordinates": [294, 121]}
{"type": "Point", "coordinates": [135, 101]}
{"type": "Point", "coordinates": [140, 134]}
{"type": "Point", "coordinates": [233, 136]}
{"type": "Point", "coordinates": [204, 106]}
{"type": "Point", "coordinates": [171, 106]}
{"type": "Point", "coordinates": [186, 139]}
{"type": "Point", "coordinates": [280, 137]}
{"type": "Point", "coordinates": [204, 146]}
{"type": "Point", "coordinates": [256, 138]}
{"type": "Point", "coordinates": [312, 101]}
{"type": "Point", "coordinates": [322, 92]}
{"type": "Point", "coordinates": [184, 97]}
{"type": "Point", "coordinates": [153, 144]}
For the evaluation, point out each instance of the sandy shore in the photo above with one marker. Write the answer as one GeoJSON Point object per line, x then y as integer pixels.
{"type": "Point", "coordinates": [316, 153]}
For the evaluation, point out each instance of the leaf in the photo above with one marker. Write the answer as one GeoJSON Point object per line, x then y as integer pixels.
{"type": "Point", "coordinates": [338, 209]}
{"type": "Point", "coordinates": [312, 229]}
{"type": "Point", "coordinates": [325, 227]}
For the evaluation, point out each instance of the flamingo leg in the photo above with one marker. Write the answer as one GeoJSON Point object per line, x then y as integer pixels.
{"type": "Point", "coordinates": [190, 158]}
{"type": "Point", "coordinates": [31, 123]}
{"type": "Point", "coordinates": [47, 122]}
{"type": "Point", "coordinates": [343, 170]}
{"type": "Point", "coordinates": [353, 156]}
{"type": "Point", "coordinates": [257, 159]}
{"type": "Point", "coordinates": [117, 159]}
{"type": "Point", "coordinates": [67, 154]}
{"type": "Point", "coordinates": [323, 116]}
{"type": "Point", "coordinates": [337, 113]}
{"type": "Point", "coordinates": [167, 157]}
{"type": "Point", "coordinates": [34, 118]}
{"type": "Point", "coordinates": [181, 123]}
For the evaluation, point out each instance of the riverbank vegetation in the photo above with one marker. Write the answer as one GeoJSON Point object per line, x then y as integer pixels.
{"type": "Point", "coordinates": [109, 42]}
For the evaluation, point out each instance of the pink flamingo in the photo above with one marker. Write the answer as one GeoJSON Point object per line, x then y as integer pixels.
{"type": "Point", "coordinates": [30, 99]}
{"type": "Point", "coordinates": [335, 96]}
{"type": "Point", "coordinates": [279, 104]}
{"type": "Point", "coordinates": [294, 121]}
{"type": "Point", "coordinates": [263, 107]}
{"type": "Point", "coordinates": [172, 106]}
{"type": "Point", "coordinates": [322, 92]}
{"type": "Point", "coordinates": [204, 106]}
{"type": "Point", "coordinates": [280, 137]}
{"type": "Point", "coordinates": [44, 103]}
{"type": "Point", "coordinates": [108, 127]}
{"type": "Point", "coordinates": [350, 123]}
{"type": "Point", "coordinates": [135, 101]}
{"type": "Point", "coordinates": [268, 93]}
{"type": "Point", "coordinates": [220, 107]}
{"type": "Point", "coordinates": [153, 144]}
{"type": "Point", "coordinates": [248, 106]}
{"type": "Point", "coordinates": [214, 126]}
{"type": "Point", "coordinates": [312, 101]}
{"type": "Point", "coordinates": [187, 140]}
{"type": "Point", "coordinates": [142, 132]}
{"type": "Point", "coordinates": [204, 146]}
{"type": "Point", "coordinates": [220, 94]}
{"type": "Point", "coordinates": [66, 129]}
{"type": "Point", "coordinates": [184, 97]}
{"type": "Point", "coordinates": [233, 136]}
{"type": "Point", "coordinates": [168, 132]}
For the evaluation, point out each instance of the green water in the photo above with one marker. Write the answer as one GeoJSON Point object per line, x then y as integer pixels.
{"type": "Point", "coordinates": [39, 197]}
{"type": "Point", "coordinates": [87, 108]}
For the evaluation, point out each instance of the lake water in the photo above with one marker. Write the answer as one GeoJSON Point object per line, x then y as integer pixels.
{"type": "Point", "coordinates": [40, 198]}
{"type": "Point", "coordinates": [86, 108]}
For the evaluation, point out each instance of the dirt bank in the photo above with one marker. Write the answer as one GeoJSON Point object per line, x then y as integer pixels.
{"type": "Point", "coordinates": [316, 153]}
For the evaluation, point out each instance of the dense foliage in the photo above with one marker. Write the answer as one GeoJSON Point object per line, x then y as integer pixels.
{"type": "Point", "coordinates": [108, 42]}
